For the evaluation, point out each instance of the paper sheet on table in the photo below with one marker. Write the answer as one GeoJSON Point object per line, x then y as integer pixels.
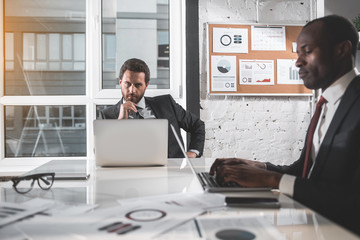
{"type": "Point", "coordinates": [188, 231]}
{"type": "Point", "coordinates": [256, 227]}
{"type": "Point", "coordinates": [150, 220]}
{"type": "Point", "coordinates": [12, 212]}
{"type": "Point", "coordinates": [203, 201]}
{"type": "Point", "coordinates": [48, 210]}
{"type": "Point", "coordinates": [12, 232]}
{"type": "Point", "coordinates": [60, 209]}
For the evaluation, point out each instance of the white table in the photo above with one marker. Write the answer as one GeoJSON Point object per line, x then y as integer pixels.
{"type": "Point", "coordinates": [107, 185]}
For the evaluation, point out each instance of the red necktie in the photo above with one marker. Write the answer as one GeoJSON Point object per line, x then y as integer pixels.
{"type": "Point", "coordinates": [309, 141]}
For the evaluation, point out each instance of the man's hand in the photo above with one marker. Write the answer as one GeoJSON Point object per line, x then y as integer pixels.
{"type": "Point", "coordinates": [244, 172]}
{"type": "Point", "coordinates": [219, 162]}
{"type": "Point", "coordinates": [191, 154]}
{"type": "Point", "coordinates": [125, 109]}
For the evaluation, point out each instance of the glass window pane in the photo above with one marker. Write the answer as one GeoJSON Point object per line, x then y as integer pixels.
{"type": "Point", "coordinates": [67, 66]}
{"type": "Point", "coordinates": [67, 47]}
{"type": "Point", "coordinates": [54, 66]}
{"type": "Point", "coordinates": [43, 131]}
{"type": "Point", "coordinates": [140, 29]}
{"type": "Point", "coordinates": [9, 65]}
{"type": "Point", "coordinates": [9, 50]}
{"type": "Point", "coordinates": [41, 47]}
{"type": "Point", "coordinates": [79, 66]}
{"type": "Point", "coordinates": [79, 47]}
{"type": "Point", "coordinates": [54, 46]}
{"type": "Point", "coordinates": [27, 66]}
{"type": "Point", "coordinates": [41, 66]}
{"type": "Point", "coordinates": [100, 108]}
{"type": "Point", "coordinates": [28, 46]}
{"type": "Point", "coordinates": [45, 34]}
{"type": "Point", "coordinates": [110, 46]}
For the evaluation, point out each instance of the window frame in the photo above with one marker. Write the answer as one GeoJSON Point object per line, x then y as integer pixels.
{"type": "Point", "coordinates": [94, 95]}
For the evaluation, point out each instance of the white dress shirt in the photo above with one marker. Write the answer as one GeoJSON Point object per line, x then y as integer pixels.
{"type": "Point", "coordinates": [145, 111]}
{"type": "Point", "coordinates": [333, 95]}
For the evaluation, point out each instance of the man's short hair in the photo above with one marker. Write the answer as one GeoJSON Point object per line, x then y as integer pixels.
{"type": "Point", "coordinates": [135, 65]}
{"type": "Point", "coordinates": [339, 29]}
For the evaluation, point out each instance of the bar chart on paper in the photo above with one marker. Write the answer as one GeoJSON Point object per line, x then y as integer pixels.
{"type": "Point", "coordinates": [287, 72]}
{"type": "Point", "coordinates": [293, 74]}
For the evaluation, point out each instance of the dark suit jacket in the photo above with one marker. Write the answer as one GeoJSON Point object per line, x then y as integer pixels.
{"type": "Point", "coordinates": [333, 188]}
{"type": "Point", "coordinates": [165, 107]}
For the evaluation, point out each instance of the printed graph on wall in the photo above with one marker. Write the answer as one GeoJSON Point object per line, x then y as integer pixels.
{"type": "Point", "coordinates": [253, 59]}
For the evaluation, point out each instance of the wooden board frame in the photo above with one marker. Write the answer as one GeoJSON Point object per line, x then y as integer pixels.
{"type": "Point", "coordinates": [292, 31]}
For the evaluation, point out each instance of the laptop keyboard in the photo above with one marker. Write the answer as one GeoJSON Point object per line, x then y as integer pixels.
{"type": "Point", "coordinates": [211, 181]}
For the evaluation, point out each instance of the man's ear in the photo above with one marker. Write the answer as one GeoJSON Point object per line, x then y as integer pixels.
{"type": "Point", "coordinates": [343, 49]}
{"type": "Point", "coordinates": [120, 81]}
{"type": "Point", "coordinates": [147, 84]}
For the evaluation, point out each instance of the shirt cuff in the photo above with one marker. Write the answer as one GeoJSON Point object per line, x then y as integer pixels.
{"type": "Point", "coordinates": [286, 185]}
{"type": "Point", "coordinates": [195, 151]}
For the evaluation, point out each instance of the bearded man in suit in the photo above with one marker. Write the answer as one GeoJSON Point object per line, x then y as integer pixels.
{"type": "Point", "coordinates": [134, 78]}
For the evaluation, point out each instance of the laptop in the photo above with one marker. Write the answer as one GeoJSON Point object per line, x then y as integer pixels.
{"type": "Point", "coordinates": [64, 169]}
{"type": "Point", "coordinates": [208, 182]}
{"type": "Point", "coordinates": [131, 142]}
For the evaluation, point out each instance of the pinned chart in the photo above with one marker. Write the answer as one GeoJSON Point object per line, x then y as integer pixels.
{"type": "Point", "coordinates": [256, 72]}
{"type": "Point", "coordinates": [223, 73]}
{"type": "Point", "coordinates": [230, 40]}
{"type": "Point", "coordinates": [268, 38]}
{"type": "Point", "coordinates": [287, 72]}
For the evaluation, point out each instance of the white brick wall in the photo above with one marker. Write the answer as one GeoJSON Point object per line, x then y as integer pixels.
{"type": "Point", "coordinates": [262, 128]}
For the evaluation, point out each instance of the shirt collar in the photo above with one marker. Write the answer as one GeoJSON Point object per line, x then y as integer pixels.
{"type": "Point", "coordinates": [337, 89]}
{"type": "Point", "coordinates": [140, 104]}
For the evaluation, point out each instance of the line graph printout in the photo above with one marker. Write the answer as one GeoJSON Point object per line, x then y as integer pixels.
{"type": "Point", "coordinates": [256, 72]}
{"type": "Point", "coordinates": [287, 72]}
{"type": "Point", "coordinates": [223, 73]}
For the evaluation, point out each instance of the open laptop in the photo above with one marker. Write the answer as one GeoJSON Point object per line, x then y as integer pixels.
{"type": "Point", "coordinates": [64, 169]}
{"type": "Point", "coordinates": [135, 142]}
{"type": "Point", "coordinates": [207, 181]}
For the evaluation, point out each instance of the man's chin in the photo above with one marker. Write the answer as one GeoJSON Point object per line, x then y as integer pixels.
{"type": "Point", "coordinates": [132, 99]}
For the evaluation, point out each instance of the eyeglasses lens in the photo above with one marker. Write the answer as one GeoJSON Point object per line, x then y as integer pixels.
{"type": "Point", "coordinates": [24, 185]}
{"type": "Point", "coordinates": [45, 182]}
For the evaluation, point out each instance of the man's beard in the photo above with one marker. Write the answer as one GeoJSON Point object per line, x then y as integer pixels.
{"type": "Point", "coordinates": [133, 98]}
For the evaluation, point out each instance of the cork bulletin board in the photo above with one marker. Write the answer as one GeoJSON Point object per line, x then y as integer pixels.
{"type": "Point", "coordinates": [253, 60]}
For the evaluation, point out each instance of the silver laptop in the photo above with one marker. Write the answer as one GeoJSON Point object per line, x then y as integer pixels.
{"type": "Point", "coordinates": [208, 182]}
{"type": "Point", "coordinates": [135, 142]}
{"type": "Point", "coordinates": [64, 169]}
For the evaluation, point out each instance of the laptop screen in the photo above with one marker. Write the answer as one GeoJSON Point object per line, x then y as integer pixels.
{"type": "Point", "coordinates": [135, 142]}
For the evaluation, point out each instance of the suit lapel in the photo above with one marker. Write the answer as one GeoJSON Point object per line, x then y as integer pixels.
{"type": "Point", "coordinates": [350, 95]}
{"type": "Point", "coordinates": [152, 104]}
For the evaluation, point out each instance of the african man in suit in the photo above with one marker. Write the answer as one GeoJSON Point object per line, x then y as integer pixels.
{"type": "Point", "coordinates": [326, 49]}
{"type": "Point", "coordinates": [134, 78]}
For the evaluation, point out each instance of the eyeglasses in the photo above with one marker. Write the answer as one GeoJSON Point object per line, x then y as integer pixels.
{"type": "Point", "coordinates": [24, 184]}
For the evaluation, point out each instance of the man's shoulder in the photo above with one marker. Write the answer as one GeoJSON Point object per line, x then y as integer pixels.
{"type": "Point", "coordinates": [166, 98]}
{"type": "Point", "coordinates": [353, 90]}
{"type": "Point", "coordinates": [160, 97]}
{"type": "Point", "coordinates": [356, 81]}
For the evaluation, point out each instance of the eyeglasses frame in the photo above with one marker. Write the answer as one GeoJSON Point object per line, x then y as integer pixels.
{"type": "Point", "coordinates": [33, 177]}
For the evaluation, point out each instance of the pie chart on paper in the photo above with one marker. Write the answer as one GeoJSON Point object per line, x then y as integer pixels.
{"type": "Point", "coordinates": [224, 66]}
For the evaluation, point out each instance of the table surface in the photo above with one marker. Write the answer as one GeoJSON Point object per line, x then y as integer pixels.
{"type": "Point", "coordinates": [107, 185]}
